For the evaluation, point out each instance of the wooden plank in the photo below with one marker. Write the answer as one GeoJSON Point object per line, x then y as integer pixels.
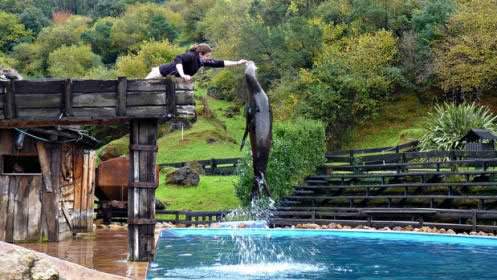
{"type": "Point", "coordinates": [96, 113]}
{"type": "Point", "coordinates": [146, 98]}
{"type": "Point", "coordinates": [146, 112]}
{"type": "Point", "coordinates": [45, 166]}
{"type": "Point", "coordinates": [10, 101]}
{"type": "Point", "coordinates": [91, 190]}
{"type": "Point", "coordinates": [4, 204]}
{"type": "Point", "coordinates": [94, 86]}
{"type": "Point", "coordinates": [34, 208]}
{"type": "Point", "coordinates": [147, 85]}
{"type": "Point", "coordinates": [171, 96]}
{"type": "Point", "coordinates": [78, 162]}
{"type": "Point", "coordinates": [68, 98]}
{"type": "Point", "coordinates": [84, 193]}
{"type": "Point", "coordinates": [21, 209]}
{"type": "Point", "coordinates": [103, 99]}
{"type": "Point", "coordinates": [9, 232]}
{"type": "Point", "coordinates": [40, 87]}
{"type": "Point", "coordinates": [39, 101]}
{"type": "Point", "coordinates": [184, 98]}
{"type": "Point", "coordinates": [51, 203]}
{"type": "Point", "coordinates": [37, 115]}
{"type": "Point", "coordinates": [122, 88]}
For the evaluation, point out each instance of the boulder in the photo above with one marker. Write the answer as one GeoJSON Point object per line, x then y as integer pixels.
{"type": "Point", "coordinates": [23, 264]}
{"type": "Point", "coordinates": [184, 176]}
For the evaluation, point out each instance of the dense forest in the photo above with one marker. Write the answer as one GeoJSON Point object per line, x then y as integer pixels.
{"type": "Point", "coordinates": [336, 61]}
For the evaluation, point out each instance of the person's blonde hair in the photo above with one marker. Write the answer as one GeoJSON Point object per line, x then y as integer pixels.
{"type": "Point", "coordinates": [201, 48]}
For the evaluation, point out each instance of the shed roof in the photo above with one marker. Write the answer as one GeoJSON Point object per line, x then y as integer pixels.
{"type": "Point", "coordinates": [479, 133]}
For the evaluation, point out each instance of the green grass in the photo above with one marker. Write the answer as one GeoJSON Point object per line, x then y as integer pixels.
{"type": "Point", "coordinates": [400, 120]}
{"type": "Point", "coordinates": [224, 135]}
{"type": "Point", "coordinates": [213, 193]}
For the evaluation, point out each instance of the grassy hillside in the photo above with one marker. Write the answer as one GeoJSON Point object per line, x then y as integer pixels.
{"type": "Point", "coordinates": [399, 121]}
{"type": "Point", "coordinates": [213, 193]}
{"type": "Point", "coordinates": [216, 136]}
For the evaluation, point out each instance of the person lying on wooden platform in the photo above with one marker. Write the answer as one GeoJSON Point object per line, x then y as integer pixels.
{"type": "Point", "coordinates": [187, 64]}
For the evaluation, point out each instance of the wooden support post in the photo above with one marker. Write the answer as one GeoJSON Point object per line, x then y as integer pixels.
{"type": "Point", "coordinates": [67, 99]}
{"type": "Point", "coordinates": [122, 88]}
{"type": "Point", "coordinates": [141, 190]}
{"type": "Point", "coordinates": [171, 97]}
{"type": "Point", "coordinates": [9, 101]}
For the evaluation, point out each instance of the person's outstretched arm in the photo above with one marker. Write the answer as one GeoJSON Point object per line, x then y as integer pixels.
{"type": "Point", "coordinates": [228, 63]}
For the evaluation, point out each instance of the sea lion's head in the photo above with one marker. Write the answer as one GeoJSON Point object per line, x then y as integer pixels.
{"type": "Point", "coordinates": [250, 68]}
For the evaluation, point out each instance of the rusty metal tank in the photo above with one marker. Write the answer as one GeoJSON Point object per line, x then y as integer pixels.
{"type": "Point", "coordinates": [112, 179]}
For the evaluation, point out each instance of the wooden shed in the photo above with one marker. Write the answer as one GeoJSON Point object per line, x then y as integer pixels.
{"type": "Point", "coordinates": [46, 183]}
{"type": "Point", "coordinates": [478, 139]}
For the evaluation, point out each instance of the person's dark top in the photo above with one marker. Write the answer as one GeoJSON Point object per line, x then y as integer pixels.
{"type": "Point", "coordinates": [191, 63]}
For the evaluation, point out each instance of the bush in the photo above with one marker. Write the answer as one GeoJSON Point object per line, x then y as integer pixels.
{"type": "Point", "coordinates": [449, 123]}
{"type": "Point", "coordinates": [298, 148]}
{"type": "Point", "coordinates": [150, 54]}
{"type": "Point", "coordinates": [226, 85]}
{"type": "Point", "coordinates": [72, 62]}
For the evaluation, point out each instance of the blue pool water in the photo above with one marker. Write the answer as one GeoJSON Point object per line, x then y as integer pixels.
{"type": "Point", "coordinates": [320, 254]}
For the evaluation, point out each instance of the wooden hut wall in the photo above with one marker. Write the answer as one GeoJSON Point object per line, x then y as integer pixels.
{"type": "Point", "coordinates": [55, 203]}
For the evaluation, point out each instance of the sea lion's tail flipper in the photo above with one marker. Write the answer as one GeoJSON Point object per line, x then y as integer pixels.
{"type": "Point", "coordinates": [248, 116]}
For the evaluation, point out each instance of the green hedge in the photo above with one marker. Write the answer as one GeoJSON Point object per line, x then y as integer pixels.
{"type": "Point", "coordinates": [298, 149]}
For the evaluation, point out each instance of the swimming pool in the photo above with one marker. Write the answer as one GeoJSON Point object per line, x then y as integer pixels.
{"type": "Point", "coordinates": [320, 254]}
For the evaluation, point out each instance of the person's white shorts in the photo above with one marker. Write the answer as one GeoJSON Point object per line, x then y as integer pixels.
{"type": "Point", "coordinates": [154, 74]}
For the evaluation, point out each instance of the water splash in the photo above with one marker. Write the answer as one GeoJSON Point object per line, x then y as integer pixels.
{"type": "Point", "coordinates": [259, 210]}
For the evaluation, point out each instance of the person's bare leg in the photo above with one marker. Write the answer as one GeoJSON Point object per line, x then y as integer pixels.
{"type": "Point", "coordinates": [154, 74]}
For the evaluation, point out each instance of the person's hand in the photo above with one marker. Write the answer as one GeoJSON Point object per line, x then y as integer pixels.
{"type": "Point", "coordinates": [187, 77]}
{"type": "Point", "coordinates": [242, 61]}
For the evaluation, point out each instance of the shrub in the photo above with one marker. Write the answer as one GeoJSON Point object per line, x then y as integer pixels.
{"type": "Point", "coordinates": [449, 123]}
{"type": "Point", "coordinates": [226, 85]}
{"type": "Point", "coordinates": [298, 149]}
{"type": "Point", "coordinates": [72, 62]}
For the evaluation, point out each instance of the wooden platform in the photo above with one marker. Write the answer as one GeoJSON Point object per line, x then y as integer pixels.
{"type": "Point", "coordinates": [64, 102]}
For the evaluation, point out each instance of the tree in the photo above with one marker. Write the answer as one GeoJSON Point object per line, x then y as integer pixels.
{"type": "Point", "coordinates": [33, 58]}
{"type": "Point", "coordinates": [34, 19]}
{"type": "Point", "coordinates": [150, 54]}
{"type": "Point", "coordinates": [466, 59]}
{"type": "Point", "coordinates": [72, 61]}
{"type": "Point", "coordinates": [138, 24]}
{"type": "Point", "coordinates": [12, 31]}
{"type": "Point", "coordinates": [99, 36]}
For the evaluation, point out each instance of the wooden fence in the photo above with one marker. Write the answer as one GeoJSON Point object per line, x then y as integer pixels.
{"type": "Point", "coordinates": [225, 166]}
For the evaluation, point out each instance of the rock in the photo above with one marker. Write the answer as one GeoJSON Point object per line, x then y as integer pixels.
{"type": "Point", "coordinates": [332, 226]}
{"type": "Point", "coordinates": [473, 233]}
{"type": "Point", "coordinates": [23, 264]}
{"type": "Point", "coordinates": [339, 226]}
{"type": "Point", "coordinates": [425, 229]}
{"type": "Point", "coordinates": [43, 270]}
{"type": "Point", "coordinates": [196, 166]}
{"type": "Point", "coordinates": [215, 225]}
{"type": "Point", "coordinates": [386, 229]}
{"type": "Point", "coordinates": [181, 226]}
{"type": "Point", "coordinates": [442, 230]}
{"type": "Point", "coordinates": [242, 225]}
{"type": "Point", "coordinates": [160, 205]}
{"type": "Point", "coordinates": [481, 233]}
{"type": "Point", "coordinates": [450, 231]}
{"type": "Point", "coordinates": [397, 228]}
{"type": "Point", "coordinates": [417, 230]}
{"type": "Point", "coordinates": [347, 227]}
{"type": "Point", "coordinates": [408, 228]}
{"type": "Point", "coordinates": [184, 176]}
{"type": "Point", "coordinates": [310, 226]}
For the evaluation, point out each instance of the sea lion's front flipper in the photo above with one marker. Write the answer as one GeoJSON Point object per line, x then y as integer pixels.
{"type": "Point", "coordinates": [248, 123]}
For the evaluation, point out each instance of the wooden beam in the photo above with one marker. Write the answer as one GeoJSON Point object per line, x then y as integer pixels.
{"type": "Point", "coordinates": [9, 103]}
{"type": "Point", "coordinates": [141, 189]}
{"type": "Point", "coordinates": [171, 96]}
{"type": "Point", "coordinates": [122, 88]}
{"type": "Point", "coordinates": [67, 98]}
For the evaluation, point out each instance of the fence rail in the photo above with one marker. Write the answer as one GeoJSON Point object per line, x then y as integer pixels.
{"type": "Point", "coordinates": [223, 166]}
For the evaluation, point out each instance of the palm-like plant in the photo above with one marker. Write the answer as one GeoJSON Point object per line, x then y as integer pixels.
{"type": "Point", "coordinates": [449, 123]}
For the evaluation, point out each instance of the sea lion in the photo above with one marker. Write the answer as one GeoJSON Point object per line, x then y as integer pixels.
{"type": "Point", "coordinates": [259, 124]}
